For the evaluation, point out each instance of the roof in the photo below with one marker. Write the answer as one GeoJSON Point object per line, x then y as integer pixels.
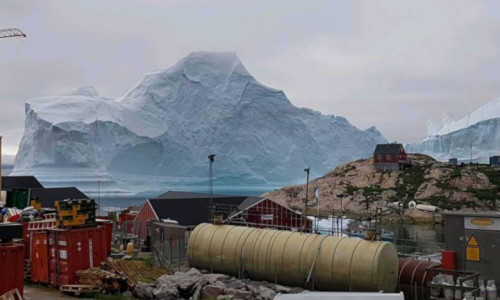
{"type": "Point", "coordinates": [190, 195]}
{"type": "Point", "coordinates": [20, 182]}
{"type": "Point", "coordinates": [194, 208]}
{"type": "Point", "coordinates": [388, 149]}
{"type": "Point", "coordinates": [48, 196]}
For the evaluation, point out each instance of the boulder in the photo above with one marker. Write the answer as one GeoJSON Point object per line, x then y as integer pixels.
{"type": "Point", "coordinates": [281, 289]}
{"type": "Point", "coordinates": [186, 284]}
{"type": "Point", "coordinates": [266, 293]}
{"type": "Point", "coordinates": [144, 291]}
{"type": "Point", "coordinates": [240, 294]}
{"type": "Point", "coordinates": [233, 283]}
{"type": "Point", "coordinates": [166, 292]}
{"type": "Point", "coordinates": [211, 291]}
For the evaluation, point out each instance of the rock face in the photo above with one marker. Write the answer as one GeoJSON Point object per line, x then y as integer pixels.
{"type": "Point", "coordinates": [426, 182]}
{"type": "Point", "coordinates": [172, 119]}
{"type": "Point", "coordinates": [195, 285]}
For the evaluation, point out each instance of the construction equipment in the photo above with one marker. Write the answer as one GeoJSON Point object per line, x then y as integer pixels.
{"type": "Point", "coordinates": [11, 32]}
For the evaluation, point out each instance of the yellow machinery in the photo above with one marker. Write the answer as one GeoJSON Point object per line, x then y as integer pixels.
{"type": "Point", "coordinates": [328, 263]}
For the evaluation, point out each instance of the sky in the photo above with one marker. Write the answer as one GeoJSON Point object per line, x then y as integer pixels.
{"type": "Point", "coordinates": [390, 64]}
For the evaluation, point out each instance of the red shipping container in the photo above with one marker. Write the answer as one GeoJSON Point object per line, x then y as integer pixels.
{"type": "Point", "coordinates": [76, 249]}
{"type": "Point", "coordinates": [12, 262]}
{"type": "Point", "coordinates": [40, 257]}
{"type": "Point", "coordinates": [27, 240]}
{"type": "Point", "coordinates": [108, 228]}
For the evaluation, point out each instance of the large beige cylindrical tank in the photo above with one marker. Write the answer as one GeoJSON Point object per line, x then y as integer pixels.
{"type": "Point", "coordinates": [331, 263]}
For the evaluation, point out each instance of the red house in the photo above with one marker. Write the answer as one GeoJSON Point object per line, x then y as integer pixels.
{"type": "Point", "coordinates": [389, 157]}
{"type": "Point", "coordinates": [192, 209]}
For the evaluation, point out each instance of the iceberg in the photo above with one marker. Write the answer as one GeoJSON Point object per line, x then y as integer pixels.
{"type": "Point", "coordinates": [164, 128]}
{"type": "Point", "coordinates": [474, 137]}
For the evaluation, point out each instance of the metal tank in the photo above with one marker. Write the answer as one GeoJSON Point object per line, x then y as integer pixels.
{"type": "Point", "coordinates": [326, 262]}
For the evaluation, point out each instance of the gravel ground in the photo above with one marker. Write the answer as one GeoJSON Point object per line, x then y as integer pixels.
{"type": "Point", "coordinates": [35, 292]}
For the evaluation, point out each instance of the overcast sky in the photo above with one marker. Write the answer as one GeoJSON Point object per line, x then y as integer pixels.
{"type": "Point", "coordinates": [392, 64]}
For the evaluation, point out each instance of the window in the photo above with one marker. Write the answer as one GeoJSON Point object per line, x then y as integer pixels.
{"type": "Point", "coordinates": [388, 156]}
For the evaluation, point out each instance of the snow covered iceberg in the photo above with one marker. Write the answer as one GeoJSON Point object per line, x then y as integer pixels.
{"type": "Point", "coordinates": [473, 137]}
{"type": "Point", "coordinates": [163, 129]}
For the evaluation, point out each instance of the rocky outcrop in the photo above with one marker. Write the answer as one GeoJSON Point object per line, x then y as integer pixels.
{"type": "Point", "coordinates": [427, 181]}
{"type": "Point", "coordinates": [194, 284]}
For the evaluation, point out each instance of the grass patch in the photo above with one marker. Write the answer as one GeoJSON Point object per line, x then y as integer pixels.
{"type": "Point", "coordinates": [492, 174]}
{"type": "Point", "coordinates": [485, 194]}
{"type": "Point", "coordinates": [412, 178]}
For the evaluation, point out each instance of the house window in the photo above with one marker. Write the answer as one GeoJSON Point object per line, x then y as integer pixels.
{"type": "Point", "coordinates": [388, 157]}
{"type": "Point", "coordinates": [379, 156]}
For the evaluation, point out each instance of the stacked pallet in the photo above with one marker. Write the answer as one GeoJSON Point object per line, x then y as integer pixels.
{"type": "Point", "coordinates": [113, 277]}
{"type": "Point", "coordinates": [75, 213]}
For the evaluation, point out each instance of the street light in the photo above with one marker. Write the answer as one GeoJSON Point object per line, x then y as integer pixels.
{"type": "Point", "coordinates": [341, 195]}
{"type": "Point", "coordinates": [307, 170]}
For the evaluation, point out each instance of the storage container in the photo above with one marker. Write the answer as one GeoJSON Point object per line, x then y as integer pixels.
{"type": "Point", "coordinates": [40, 257]}
{"type": "Point", "coordinates": [12, 262]}
{"type": "Point", "coordinates": [108, 232]}
{"type": "Point", "coordinates": [75, 249]}
{"type": "Point", "coordinates": [9, 231]}
{"type": "Point", "coordinates": [17, 198]}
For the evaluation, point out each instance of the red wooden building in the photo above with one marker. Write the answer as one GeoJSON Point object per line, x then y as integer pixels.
{"type": "Point", "coordinates": [265, 213]}
{"type": "Point", "coordinates": [192, 209]}
{"type": "Point", "coordinates": [390, 157]}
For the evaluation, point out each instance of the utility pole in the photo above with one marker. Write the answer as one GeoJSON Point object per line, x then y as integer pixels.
{"type": "Point", "coordinates": [307, 170]}
{"type": "Point", "coordinates": [211, 159]}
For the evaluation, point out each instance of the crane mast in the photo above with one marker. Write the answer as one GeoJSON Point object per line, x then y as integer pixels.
{"type": "Point", "coordinates": [11, 32]}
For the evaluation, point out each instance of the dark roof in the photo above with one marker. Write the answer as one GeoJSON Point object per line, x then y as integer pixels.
{"type": "Point", "coordinates": [49, 195]}
{"type": "Point", "coordinates": [387, 149]}
{"type": "Point", "coordinates": [194, 208]}
{"type": "Point", "coordinates": [189, 195]}
{"type": "Point", "coordinates": [249, 201]}
{"type": "Point", "coordinates": [20, 182]}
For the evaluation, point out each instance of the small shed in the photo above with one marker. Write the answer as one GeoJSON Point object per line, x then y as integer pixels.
{"type": "Point", "coordinates": [452, 162]}
{"type": "Point", "coordinates": [390, 157]}
{"type": "Point", "coordinates": [495, 160]}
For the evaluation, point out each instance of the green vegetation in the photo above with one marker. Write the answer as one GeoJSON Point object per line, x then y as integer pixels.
{"type": "Point", "coordinates": [485, 194]}
{"type": "Point", "coordinates": [412, 178]}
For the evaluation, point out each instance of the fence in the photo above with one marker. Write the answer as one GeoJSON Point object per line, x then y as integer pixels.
{"type": "Point", "coordinates": [168, 242]}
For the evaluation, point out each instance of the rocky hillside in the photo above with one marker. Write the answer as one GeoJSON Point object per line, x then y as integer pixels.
{"type": "Point", "coordinates": [464, 188]}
